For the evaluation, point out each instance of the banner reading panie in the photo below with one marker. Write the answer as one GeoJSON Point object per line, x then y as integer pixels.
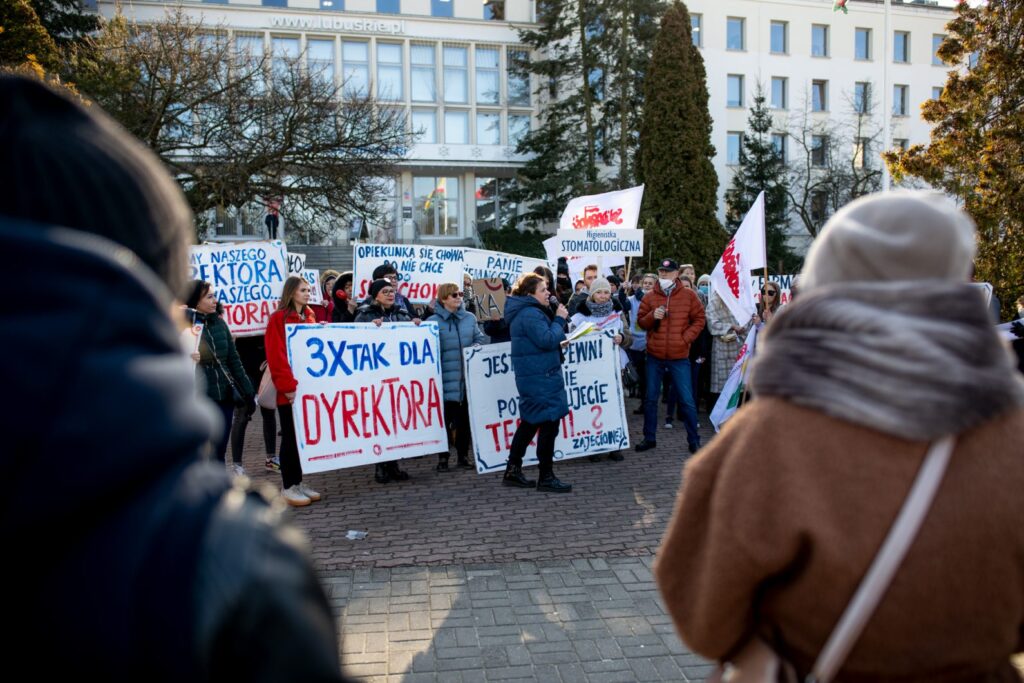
{"type": "Point", "coordinates": [482, 264]}
{"type": "Point", "coordinates": [421, 269]}
{"type": "Point", "coordinates": [366, 394]}
{"type": "Point", "coordinates": [596, 422]}
{"type": "Point", "coordinates": [247, 278]}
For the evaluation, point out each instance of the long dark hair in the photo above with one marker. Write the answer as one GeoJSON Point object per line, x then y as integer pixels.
{"type": "Point", "coordinates": [546, 273]}
{"type": "Point", "coordinates": [195, 291]}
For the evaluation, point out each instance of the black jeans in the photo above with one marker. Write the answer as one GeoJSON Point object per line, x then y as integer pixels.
{"type": "Point", "coordinates": [227, 411]}
{"type": "Point", "coordinates": [242, 419]}
{"type": "Point", "coordinates": [456, 417]}
{"type": "Point", "coordinates": [545, 445]}
{"type": "Point", "coordinates": [291, 470]}
{"type": "Point", "coordinates": [639, 360]}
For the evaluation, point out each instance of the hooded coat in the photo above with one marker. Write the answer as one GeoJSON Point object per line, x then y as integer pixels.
{"type": "Point", "coordinates": [458, 331]}
{"type": "Point", "coordinates": [537, 334]}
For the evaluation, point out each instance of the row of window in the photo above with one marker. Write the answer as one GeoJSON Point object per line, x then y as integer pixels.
{"type": "Point", "coordinates": [436, 203]}
{"type": "Point", "coordinates": [486, 131]}
{"type": "Point", "coordinates": [819, 148]}
{"type": "Point", "coordinates": [492, 9]}
{"type": "Point", "coordinates": [736, 40]}
{"type": "Point", "coordinates": [779, 97]}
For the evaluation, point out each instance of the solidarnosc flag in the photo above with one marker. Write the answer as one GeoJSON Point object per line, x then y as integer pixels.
{"type": "Point", "coordinates": [736, 385]}
{"type": "Point", "coordinates": [745, 252]}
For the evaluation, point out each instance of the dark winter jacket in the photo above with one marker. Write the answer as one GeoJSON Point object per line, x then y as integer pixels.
{"type": "Point", "coordinates": [277, 350]}
{"type": "Point", "coordinates": [497, 330]}
{"type": "Point", "coordinates": [537, 334]}
{"type": "Point", "coordinates": [458, 331]}
{"type": "Point", "coordinates": [218, 358]}
{"type": "Point", "coordinates": [134, 587]}
{"type": "Point", "coordinates": [370, 310]}
{"type": "Point", "coordinates": [670, 338]}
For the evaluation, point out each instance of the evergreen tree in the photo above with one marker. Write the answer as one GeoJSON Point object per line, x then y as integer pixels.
{"type": "Point", "coordinates": [65, 20]}
{"type": "Point", "coordinates": [23, 39]}
{"type": "Point", "coordinates": [761, 168]}
{"type": "Point", "coordinates": [676, 151]}
{"type": "Point", "coordinates": [976, 143]}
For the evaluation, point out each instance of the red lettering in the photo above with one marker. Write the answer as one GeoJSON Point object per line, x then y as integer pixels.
{"type": "Point", "coordinates": [348, 411]}
{"type": "Point", "coordinates": [403, 402]}
{"type": "Point", "coordinates": [330, 412]}
{"type": "Point", "coordinates": [731, 265]}
{"type": "Point", "coordinates": [377, 393]}
{"type": "Point", "coordinates": [509, 433]}
{"type": "Point", "coordinates": [310, 441]}
{"type": "Point", "coordinates": [494, 434]}
{"type": "Point", "coordinates": [417, 403]}
{"type": "Point", "coordinates": [596, 422]}
{"type": "Point", "coordinates": [364, 414]}
{"type": "Point", "coordinates": [434, 403]}
{"type": "Point", "coordinates": [251, 312]}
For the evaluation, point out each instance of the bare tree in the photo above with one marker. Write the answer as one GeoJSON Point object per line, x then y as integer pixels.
{"type": "Point", "coordinates": [238, 126]}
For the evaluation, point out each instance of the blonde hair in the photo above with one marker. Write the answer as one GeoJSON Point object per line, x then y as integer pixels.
{"type": "Point", "coordinates": [446, 290]}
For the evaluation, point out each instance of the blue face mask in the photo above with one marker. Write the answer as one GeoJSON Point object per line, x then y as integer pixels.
{"type": "Point", "coordinates": [703, 289]}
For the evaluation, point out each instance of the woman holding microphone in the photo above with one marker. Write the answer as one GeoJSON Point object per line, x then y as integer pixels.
{"type": "Point", "coordinates": [537, 336]}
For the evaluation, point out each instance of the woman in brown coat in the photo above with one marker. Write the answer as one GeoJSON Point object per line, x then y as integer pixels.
{"type": "Point", "coordinates": [887, 350]}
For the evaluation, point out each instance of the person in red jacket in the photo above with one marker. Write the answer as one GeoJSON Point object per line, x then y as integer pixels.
{"type": "Point", "coordinates": [673, 317]}
{"type": "Point", "coordinates": [293, 309]}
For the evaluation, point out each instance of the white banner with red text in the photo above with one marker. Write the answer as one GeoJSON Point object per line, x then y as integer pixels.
{"type": "Point", "coordinates": [421, 268]}
{"type": "Point", "coordinates": [366, 394]}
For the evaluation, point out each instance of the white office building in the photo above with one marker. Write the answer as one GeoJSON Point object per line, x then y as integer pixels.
{"type": "Point", "coordinates": [446, 62]}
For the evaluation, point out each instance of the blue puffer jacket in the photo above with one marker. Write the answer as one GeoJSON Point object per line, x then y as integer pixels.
{"type": "Point", "coordinates": [537, 359]}
{"type": "Point", "coordinates": [458, 331]}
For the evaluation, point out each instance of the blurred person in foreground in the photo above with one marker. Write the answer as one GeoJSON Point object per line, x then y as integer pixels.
{"type": "Point", "coordinates": [139, 562]}
{"type": "Point", "coordinates": [887, 350]}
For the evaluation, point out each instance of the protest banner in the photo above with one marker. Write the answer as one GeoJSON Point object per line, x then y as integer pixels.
{"type": "Point", "coordinates": [596, 422]}
{"type": "Point", "coordinates": [784, 282]}
{"type": "Point", "coordinates": [312, 276]}
{"type": "Point", "coordinates": [296, 263]}
{"type": "Point", "coordinates": [489, 298]}
{"type": "Point", "coordinates": [421, 268]}
{"type": "Point", "coordinates": [481, 263]}
{"type": "Point", "coordinates": [366, 394]}
{"type": "Point", "coordinates": [599, 243]}
{"type": "Point", "coordinates": [247, 278]}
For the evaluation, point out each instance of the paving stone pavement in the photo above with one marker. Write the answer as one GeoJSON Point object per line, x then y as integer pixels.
{"type": "Point", "coordinates": [462, 579]}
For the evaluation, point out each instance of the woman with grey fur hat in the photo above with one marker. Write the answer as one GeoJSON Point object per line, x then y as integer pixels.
{"type": "Point", "coordinates": [887, 353]}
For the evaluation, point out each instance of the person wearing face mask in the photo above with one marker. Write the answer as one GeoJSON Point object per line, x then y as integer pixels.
{"type": "Point", "coordinates": [704, 289]}
{"type": "Point", "coordinates": [673, 318]}
{"type": "Point", "coordinates": [637, 351]}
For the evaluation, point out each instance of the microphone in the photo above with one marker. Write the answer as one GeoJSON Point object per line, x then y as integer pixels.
{"type": "Point", "coordinates": [553, 301]}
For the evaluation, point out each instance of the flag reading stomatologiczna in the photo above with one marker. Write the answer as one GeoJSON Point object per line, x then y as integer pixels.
{"type": "Point", "coordinates": [736, 385]}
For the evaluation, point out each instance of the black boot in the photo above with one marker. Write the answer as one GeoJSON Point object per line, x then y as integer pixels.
{"type": "Point", "coordinates": [442, 462]}
{"type": "Point", "coordinates": [394, 472]}
{"type": "Point", "coordinates": [380, 474]}
{"type": "Point", "coordinates": [514, 477]}
{"type": "Point", "coordinates": [463, 463]}
{"type": "Point", "coordinates": [549, 482]}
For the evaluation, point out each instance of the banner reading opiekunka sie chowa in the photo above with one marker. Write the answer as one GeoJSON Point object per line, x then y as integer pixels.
{"type": "Point", "coordinates": [596, 422]}
{"type": "Point", "coordinates": [247, 278]}
{"type": "Point", "coordinates": [421, 269]}
{"type": "Point", "coordinates": [366, 394]}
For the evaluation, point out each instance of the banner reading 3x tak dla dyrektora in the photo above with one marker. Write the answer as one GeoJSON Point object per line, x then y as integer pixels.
{"type": "Point", "coordinates": [367, 395]}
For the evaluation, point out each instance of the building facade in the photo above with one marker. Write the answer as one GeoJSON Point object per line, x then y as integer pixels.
{"type": "Point", "coordinates": [449, 65]}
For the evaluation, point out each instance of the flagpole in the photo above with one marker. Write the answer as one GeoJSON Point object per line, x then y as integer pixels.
{"type": "Point", "coordinates": [886, 94]}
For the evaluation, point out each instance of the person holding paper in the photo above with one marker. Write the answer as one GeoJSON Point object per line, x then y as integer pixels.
{"type": "Point", "coordinates": [537, 336]}
{"type": "Point", "coordinates": [292, 309]}
{"type": "Point", "coordinates": [458, 330]}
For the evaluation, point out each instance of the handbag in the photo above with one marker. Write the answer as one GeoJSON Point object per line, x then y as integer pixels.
{"type": "Point", "coordinates": [266, 395]}
{"type": "Point", "coordinates": [757, 662]}
{"type": "Point", "coordinates": [237, 397]}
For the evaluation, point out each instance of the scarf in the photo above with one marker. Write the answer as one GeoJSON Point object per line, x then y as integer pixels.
{"type": "Point", "coordinates": [917, 360]}
{"type": "Point", "coordinates": [601, 310]}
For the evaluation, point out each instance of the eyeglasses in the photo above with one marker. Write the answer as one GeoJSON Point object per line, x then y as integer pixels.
{"type": "Point", "coordinates": [386, 292]}
{"type": "Point", "coordinates": [769, 292]}
{"type": "Point", "coordinates": [392, 277]}
{"type": "Point", "coordinates": [458, 294]}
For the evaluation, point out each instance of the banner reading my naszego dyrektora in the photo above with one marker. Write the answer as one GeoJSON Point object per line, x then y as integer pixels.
{"type": "Point", "coordinates": [596, 422]}
{"type": "Point", "coordinates": [247, 277]}
{"type": "Point", "coordinates": [366, 394]}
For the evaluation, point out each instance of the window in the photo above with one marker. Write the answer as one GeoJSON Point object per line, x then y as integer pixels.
{"type": "Point", "coordinates": [780, 92]}
{"type": "Point", "coordinates": [488, 128]}
{"type": "Point", "coordinates": [456, 127]}
{"type": "Point", "coordinates": [518, 77]}
{"type": "Point", "coordinates": [733, 144]}
{"type": "Point", "coordinates": [779, 37]}
{"type": "Point", "coordinates": [819, 150]}
{"type": "Point", "coordinates": [389, 6]}
{"type": "Point", "coordinates": [862, 44]}
{"type": "Point", "coordinates": [494, 10]}
{"type": "Point", "coordinates": [901, 143]}
{"type": "Point", "coordinates": [899, 100]}
{"type": "Point", "coordinates": [819, 40]}
{"type": "Point", "coordinates": [936, 92]}
{"type": "Point", "coordinates": [779, 145]}
{"type": "Point", "coordinates": [285, 53]}
{"type": "Point", "coordinates": [937, 40]}
{"type": "Point", "coordinates": [518, 127]}
{"type": "Point", "coordinates": [355, 59]}
{"type": "Point", "coordinates": [734, 97]}
{"type": "Point", "coordinates": [250, 53]}
{"type": "Point", "coordinates": [901, 47]}
{"type": "Point", "coordinates": [488, 87]}
{"type": "Point", "coordinates": [441, 8]}
{"type": "Point", "coordinates": [696, 20]}
{"type": "Point", "coordinates": [819, 95]}
{"type": "Point", "coordinates": [437, 206]}
{"type": "Point", "coordinates": [336, 5]}
{"type": "Point", "coordinates": [424, 126]}
{"type": "Point", "coordinates": [389, 71]}
{"type": "Point", "coordinates": [456, 78]}
{"type": "Point", "coordinates": [819, 206]}
{"type": "Point", "coordinates": [860, 153]}
{"type": "Point", "coordinates": [275, 3]}
{"type": "Point", "coordinates": [493, 209]}
{"type": "Point", "coordinates": [320, 58]}
{"type": "Point", "coordinates": [423, 74]}
{"type": "Point", "coordinates": [862, 97]}
{"type": "Point", "coordinates": [734, 33]}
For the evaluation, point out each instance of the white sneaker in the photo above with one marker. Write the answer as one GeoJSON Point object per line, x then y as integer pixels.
{"type": "Point", "coordinates": [308, 492]}
{"type": "Point", "coordinates": [238, 470]}
{"type": "Point", "coordinates": [294, 497]}
{"type": "Point", "coordinates": [668, 425]}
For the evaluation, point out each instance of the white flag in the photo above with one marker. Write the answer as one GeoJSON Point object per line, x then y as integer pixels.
{"type": "Point", "coordinates": [746, 251]}
{"type": "Point", "coordinates": [732, 393]}
{"type": "Point", "coordinates": [611, 210]}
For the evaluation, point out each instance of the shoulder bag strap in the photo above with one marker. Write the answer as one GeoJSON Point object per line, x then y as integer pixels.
{"type": "Point", "coordinates": [223, 370]}
{"type": "Point", "coordinates": [885, 564]}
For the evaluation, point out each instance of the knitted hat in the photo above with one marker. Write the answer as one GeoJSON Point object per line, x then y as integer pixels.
{"type": "Point", "coordinates": [382, 270]}
{"type": "Point", "coordinates": [704, 279]}
{"type": "Point", "coordinates": [64, 165]}
{"type": "Point", "coordinates": [599, 284]}
{"type": "Point", "coordinates": [902, 235]}
{"type": "Point", "coordinates": [378, 285]}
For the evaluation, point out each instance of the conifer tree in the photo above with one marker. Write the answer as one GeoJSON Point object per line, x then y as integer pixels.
{"type": "Point", "coordinates": [65, 20]}
{"type": "Point", "coordinates": [676, 151]}
{"type": "Point", "coordinates": [761, 168]}
{"type": "Point", "coordinates": [23, 38]}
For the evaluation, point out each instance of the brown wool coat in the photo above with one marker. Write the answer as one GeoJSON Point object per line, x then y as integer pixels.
{"type": "Point", "coordinates": [679, 329]}
{"type": "Point", "coordinates": [783, 512]}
